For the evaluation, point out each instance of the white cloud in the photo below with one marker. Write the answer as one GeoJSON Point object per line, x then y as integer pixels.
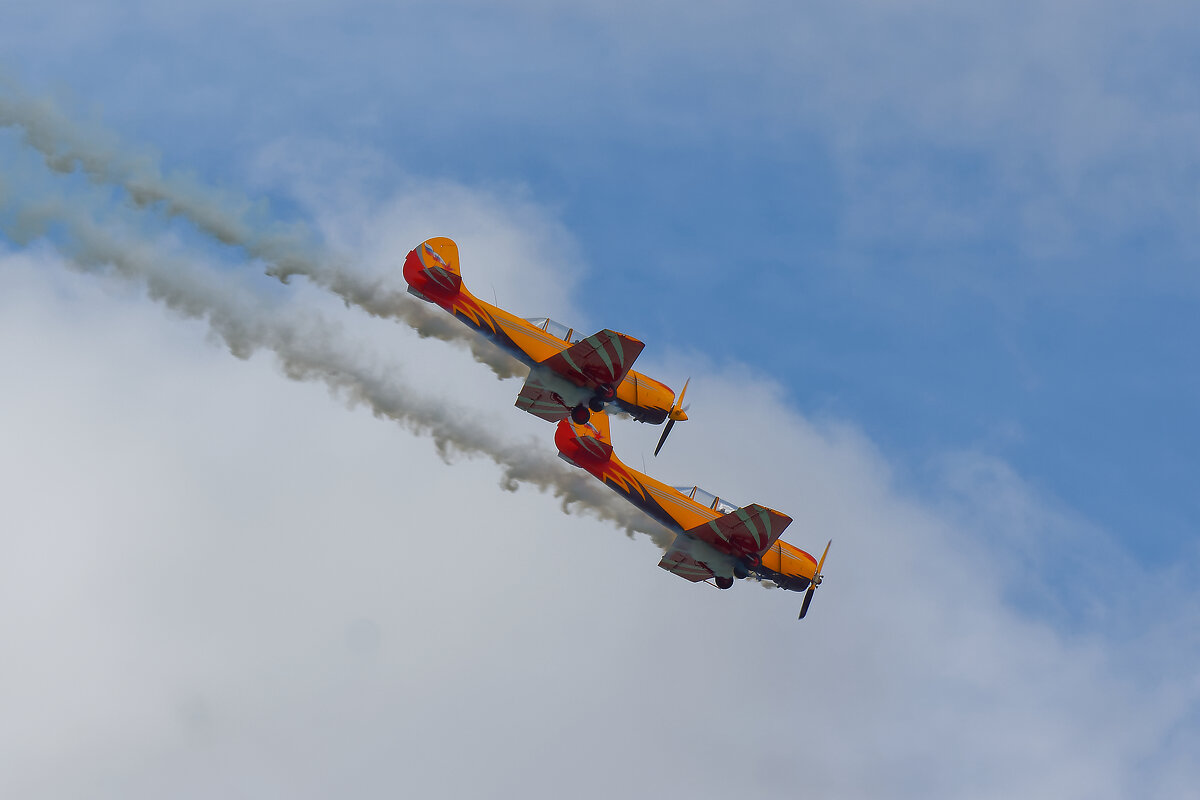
{"type": "Point", "coordinates": [218, 581]}
{"type": "Point", "coordinates": [511, 247]}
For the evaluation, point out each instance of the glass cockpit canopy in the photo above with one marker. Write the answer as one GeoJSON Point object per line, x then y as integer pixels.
{"type": "Point", "coordinates": [556, 329]}
{"type": "Point", "coordinates": [705, 499]}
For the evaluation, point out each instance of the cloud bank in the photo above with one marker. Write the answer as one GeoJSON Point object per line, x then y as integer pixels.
{"type": "Point", "coordinates": [218, 582]}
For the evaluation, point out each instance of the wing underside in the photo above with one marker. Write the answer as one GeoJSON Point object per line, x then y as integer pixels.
{"type": "Point", "coordinates": [678, 561]}
{"type": "Point", "coordinates": [541, 401]}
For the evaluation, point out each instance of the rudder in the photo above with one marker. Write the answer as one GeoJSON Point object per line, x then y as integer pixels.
{"type": "Point", "coordinates": [587, 442]}
{"type": "Point", "coordinates": [431, 269]}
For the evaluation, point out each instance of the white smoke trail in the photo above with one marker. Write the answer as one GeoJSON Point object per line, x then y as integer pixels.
{"type": "Point", "coordinates": [310, 348]}
{"type": "Point", "coordinates": [287, 249]}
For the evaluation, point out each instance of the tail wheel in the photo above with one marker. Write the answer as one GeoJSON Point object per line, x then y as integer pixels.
{"type": "Point", "coordinates": [580, 415]}
{"type": "Point", "coordinates": [606, 392]}
{"type": "Point", "coordinates": [724, 583]}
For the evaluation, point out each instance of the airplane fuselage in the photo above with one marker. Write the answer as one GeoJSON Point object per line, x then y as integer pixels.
{"type": "Point", "coordinates": [642, 397]}
{"type": "Point", "coordinates": [783, 563]}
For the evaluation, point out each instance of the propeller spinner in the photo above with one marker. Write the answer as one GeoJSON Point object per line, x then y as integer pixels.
{"type": "Point", "coordinates": [677, 414]}
{"type": "Point", "coordinates": [816, 581]}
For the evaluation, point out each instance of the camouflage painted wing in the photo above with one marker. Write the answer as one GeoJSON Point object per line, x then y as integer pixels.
{"type": "Point", "coordinates": [601, 359]}
{"type": "Point", "coordinates": [745, 533]}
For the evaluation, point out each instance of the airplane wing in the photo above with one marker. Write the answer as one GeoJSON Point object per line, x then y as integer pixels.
{"type": "Point", "coordinates": [601, 359]}
{"type": "Point", "coordinates": [746, 532]}
{"type": "Point", "coordinates": [678, 561]}
{"type": "Point", "coordinates": [541, 402]}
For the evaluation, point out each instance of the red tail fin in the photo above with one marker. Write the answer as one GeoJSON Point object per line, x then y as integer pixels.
{"type": "Point", "coordinates": [584, 443]}
{"type": "Point", "coordinates": [431, 269]}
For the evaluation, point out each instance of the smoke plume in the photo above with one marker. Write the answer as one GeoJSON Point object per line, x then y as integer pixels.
{"type": "Point", "coordinates": [308, 346]}
{"type": "Point", "coordinates": [287, 250]}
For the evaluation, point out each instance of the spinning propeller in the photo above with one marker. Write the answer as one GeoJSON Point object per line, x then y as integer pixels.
{"type": "Point", "coordinates": [816, 581]}
{"type": "Point", "coordinates": [677, 414]}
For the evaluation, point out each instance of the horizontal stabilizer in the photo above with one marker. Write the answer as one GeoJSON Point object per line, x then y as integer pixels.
{"type": "Point", "coordinates": [601, 359]}
{"type": "Point", "coordinates": [746, 532]}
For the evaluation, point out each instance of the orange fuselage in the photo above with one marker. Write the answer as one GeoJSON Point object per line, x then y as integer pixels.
{"type": "Point", "coordinates": [646, 399]}
{"type": "Point", "coordinates": [783, 563]}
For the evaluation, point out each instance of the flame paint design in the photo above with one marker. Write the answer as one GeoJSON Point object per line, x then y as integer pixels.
{"type": "Point", "coordinates": [470, 310]}
{"type": "Point", "coordinates": [621, 478]}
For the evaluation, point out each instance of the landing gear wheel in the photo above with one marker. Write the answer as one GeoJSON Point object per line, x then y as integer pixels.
{"type": "Point", "coordinates": [606, 392]}
{"type": "Point", "coordinates": [596, 404]}
{"type": "Point", "coordinates": [580, 415]}
{"type": "Point", "coordinates": [724, 583]}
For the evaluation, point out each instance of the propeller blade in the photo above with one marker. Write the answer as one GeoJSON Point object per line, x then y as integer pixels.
{"type": "Point", "coordinates": [679, 402]}
{"type": "Point", "coordinates": [821, 563]}
{"type": "Point", "coordinates": [816, 581]}
{"type": "Point", "coordinates": [675, 414]}
{"type": "Point", "coordinates": [663, 438]}
{"type": "Point", "coordinates": [677, 411]}
{"type": "Point", "coordinates": [807, 599]}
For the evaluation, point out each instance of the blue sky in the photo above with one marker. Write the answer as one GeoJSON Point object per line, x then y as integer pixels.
{"type": "Point", "coordinates": [967, 234]}
{"type": "Point", "coordinates": [966, 229]}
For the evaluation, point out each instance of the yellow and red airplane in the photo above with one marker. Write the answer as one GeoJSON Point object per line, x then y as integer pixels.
{"type": "Point", "coordinates": [569, 374]}
{"type": "Point", "coordinates": [715, 539]}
